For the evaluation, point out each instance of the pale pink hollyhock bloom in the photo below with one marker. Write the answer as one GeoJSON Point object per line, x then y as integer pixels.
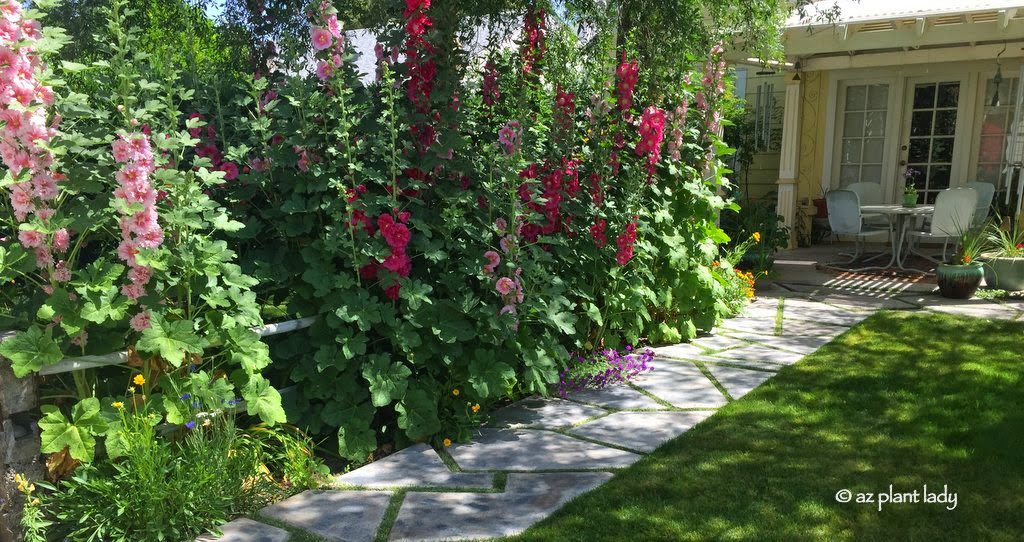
{"type": "Point", "coordinates": [121, 149]}
{"type": "Point", "coordinates": [61, 272]}
{"type": "Point", "coordinates": [127, 251]}
{"type": "Point", "coordinates": [336, 59]}
{"type": "Point", "coordinates": [152, 238]}
{"type": "Point", "coordinates": [140, 322]}
{"type": "Point", "coordinates": [45, 186]}
{"type": "Point", "coordinates": [44, 258]}
{"type": "Point", "coordinates": [30, 238]}
{"type": "Point", "coordinates": [321, 38]}
{"type": "Point", "coordinates": [48, 290]}
{"type": "Point", "coordinates": [500, 224]}
{"type": "Point", "coordinates": [140, 275]}
{"type": "Point", "coordinates": [508, 309]}
{"type": "Point", "coordinates": [493, 259]}
{"type": "Point", "coordinates": [504, 286]}
{"type": "Point", "coordinates": [61, 240]}
{"type": "Point", "coordinates": [333, 25]}
{"type": "Point", "coordinates": [132, 291]}
{"type": "Point", "coordinates": [45, 213]}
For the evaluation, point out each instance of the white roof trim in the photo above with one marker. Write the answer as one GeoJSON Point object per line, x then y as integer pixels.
{"type": "Point", "coordinates": [852, 11]}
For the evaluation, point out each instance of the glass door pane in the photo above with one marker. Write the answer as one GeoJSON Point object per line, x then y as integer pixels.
{"type": "Point", "coordinates": [932, 134]}
{"type": "Point", "coordinates": [862, 139]}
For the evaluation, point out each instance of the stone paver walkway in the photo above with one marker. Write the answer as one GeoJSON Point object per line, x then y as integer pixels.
{"type": "Point", "coordinates": [537, 454]}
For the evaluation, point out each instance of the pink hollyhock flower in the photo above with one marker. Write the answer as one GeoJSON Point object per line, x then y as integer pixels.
{"type": "Point", "coordinates": [510, 137]}
{"type": "Point", "coordinates": [321, 38]}
{"type": "Point", "coordinates": [508, 309]}
{"type": "Point", "coordinates": [151, 238]}
{"type": "Point", "coordinates": [501, 224]}
{"type": "Point", "coordinates": [61, 240]}
{"type": "Point", "coordinates": [414, 5]}
{"type": "Point", "coordinates": [30, 238]}
{"type": "Point", "coordinates": [493, 259]}
{"type": "Point", "coordinates": [81, 339]}
{"type": "Point", "coordinates": [505, 286]}
{"type": "Point", "coordinates": [140, 322]}
{"type": "Point", "coordinates": [336, 59]}
{"type": "Point", "coordinates": [324, 70]}
{"type": "Point", "coordinates": [127, 251]}
{"type": "Point", "coordinates": [333, 25]}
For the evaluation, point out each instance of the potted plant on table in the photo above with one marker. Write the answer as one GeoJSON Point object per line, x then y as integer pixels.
{"type": "Point", "coordinates": [910, 190]}
{"type": "Point", "coordinates": [1004, 264]}
{"type": "Point", "coordinates": [960, 278]}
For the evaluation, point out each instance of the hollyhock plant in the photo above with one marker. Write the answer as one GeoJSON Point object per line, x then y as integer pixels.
{"type": "Point", "coordinates": [625, 242]}
{"type": "Point", "coordinates": [139, 229]}
{"type": "Point", "coordinates": [510, 137]}
{"type": "Point", "coordinates": [491, 92]}
{"type": "Point", "coordinates": [627, 74]}
{"type": "Point", "coordinates": [321, 38]}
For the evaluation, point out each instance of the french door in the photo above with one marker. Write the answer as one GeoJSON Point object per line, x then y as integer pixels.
{"type": "Point", "coordinates": [928, 156]}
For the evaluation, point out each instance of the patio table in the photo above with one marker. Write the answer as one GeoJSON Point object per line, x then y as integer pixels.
{"type": "Point", "coordinates": [898, 215]}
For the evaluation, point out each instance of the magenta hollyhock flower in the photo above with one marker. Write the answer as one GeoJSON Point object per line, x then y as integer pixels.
{"type": "Point", "coordinates": [320, 37]}
{"type": "Point", "coordinates": [230, 170]}
{"type": "Point", "coordinates": [505, 286]}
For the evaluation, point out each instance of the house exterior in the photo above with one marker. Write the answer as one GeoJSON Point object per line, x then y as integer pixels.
{"type": "Point", "coordinates": [925, 91]}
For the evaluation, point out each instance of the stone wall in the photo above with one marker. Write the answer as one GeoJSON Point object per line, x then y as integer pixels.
{"type": "Point", "coordinates": [19, 443]}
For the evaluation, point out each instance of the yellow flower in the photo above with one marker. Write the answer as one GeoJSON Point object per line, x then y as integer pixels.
{"type": "Point", "coordinates": [24, 486]}
{"type": "Point", "coordinates": [447, 442]}
{"type": "Point", "coordinates": [476, 408]}
{"type": "Point", "coordinates": [757, 237]}
{"type": "Point", "coordinates": [139, 380]}
{"type": "Point", "coordinates": [455, 392]}
{"type": "Point", "coordinates": [117, 404]}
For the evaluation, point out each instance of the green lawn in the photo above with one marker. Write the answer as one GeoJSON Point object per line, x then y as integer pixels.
{"type": "Point", "coordinates": [902, 399]}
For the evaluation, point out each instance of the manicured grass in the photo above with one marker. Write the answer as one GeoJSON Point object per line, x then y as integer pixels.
{"type": "Point", "coordinates": [902, 399]}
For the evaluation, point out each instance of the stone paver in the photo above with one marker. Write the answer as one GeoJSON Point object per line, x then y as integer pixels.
{"type": "Point", "coordinates": [617, 397]}
{"type": "Point", "coordinates": [716, 342]}
{"type": "Point", "coordinates": [417, 465]}
{"type": "Point", "coordinates": [530, 450]}
{"type": "Point", "coordinates": [678, 351]}
{"type": "Point", "coordinates": [750, 325]}
{"type": "Point", "coordinates": [551, 413]}
{"type": "Point", "coordinates": [803, 328]}
{"type": "Point", "coordinates": [820, 313]}
{"type": "Point", "coordinates": [794, 343]}
{"type": "Point", "coordinates": [738, 382]}
{"type": "Point", "coordinates": [641, 431]}
{"type": "Point", "coordinates": [992, 311]}
{"type": "Point", "coordinates": [680, 384]}
{"type": "Point", "coordinates": [528, 498]}
{"type": "Point", "coordinates": [342, 516]}
{"type": "Point", "coordinates": [247, 530]}
{"type": "Point", "coordinates": [758, 355]}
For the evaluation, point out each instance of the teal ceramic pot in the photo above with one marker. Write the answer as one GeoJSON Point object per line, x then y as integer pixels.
{"type": "Point", "coordinates": [959, 281]}
{"type": "Point", "coordinates": [1004, 273]}
{"type": "Point", "coordinates": [909, 200]}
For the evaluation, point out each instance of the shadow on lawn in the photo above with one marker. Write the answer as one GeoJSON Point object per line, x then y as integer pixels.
{"type": "Point", "coordinates": [903, 399]}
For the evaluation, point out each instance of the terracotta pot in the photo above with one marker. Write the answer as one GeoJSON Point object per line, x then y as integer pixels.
{"type": "Point", "coordinates": [1004, 273]}
{"type": "Point", "coordinates": [959, 281]}
{"type": "Point", "coordinates": [822, 207]}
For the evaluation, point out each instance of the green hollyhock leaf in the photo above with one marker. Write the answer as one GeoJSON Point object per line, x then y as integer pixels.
{"type": "Point", "coordinates": [540, 372]}
{"type": "Point", "coordinates": [595, 314]}
{"type": "Point", "coordinates": [488, 376]}
{"type": "Point", "coordinates": [171, 340]}
{"type": "Point", "coordinates": [417, 414]}
{"type": "Point", "coordinates": [262, 400]}
{"type": "Point", "coordinates": [78, 434]}
{"type": "Point", "coordinates": [247, 350]}
{"type": "Point", "coordinates": [356, 437]}
{"type": "Point", "coordinates": [31, 350]}
{"type": "Point", "coordinates": [99, 306]}
{"type": "Point", "coordinates": [387, 380]}
{"type": "Point", "coordinates": [210, 392]}
{"type": "Point", "coordinates": [416, 293]}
